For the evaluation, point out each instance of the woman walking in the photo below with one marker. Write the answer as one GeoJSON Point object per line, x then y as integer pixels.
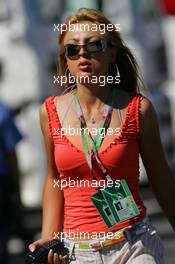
{"type": "Point", "coordinates": [116, 124]}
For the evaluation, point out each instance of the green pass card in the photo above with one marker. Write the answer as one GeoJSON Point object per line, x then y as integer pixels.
{"type": "Point", "coordinates": [115, 204]}
{"type": "Point", "coordinates": [103, 208]}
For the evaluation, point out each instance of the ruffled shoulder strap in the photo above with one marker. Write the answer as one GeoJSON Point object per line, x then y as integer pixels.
{"type": "Point", "coordinates": [131, 126]}
{"type": "Point", "coordinates": [54, 124]}
{"type": "Point", "coordinates": [135, 110]}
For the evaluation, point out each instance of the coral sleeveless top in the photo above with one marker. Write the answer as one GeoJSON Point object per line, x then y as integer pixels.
{"type": "Point", "coordinates": [120, 157]}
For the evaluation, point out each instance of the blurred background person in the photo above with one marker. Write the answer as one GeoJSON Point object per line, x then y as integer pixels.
{"type": "Point", "coordinates": [10, 201]}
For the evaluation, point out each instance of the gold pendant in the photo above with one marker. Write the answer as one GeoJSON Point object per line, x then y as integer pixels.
{"type": "Point", "coordinates": [93, 120]}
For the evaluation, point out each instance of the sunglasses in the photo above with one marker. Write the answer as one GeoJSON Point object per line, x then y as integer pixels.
{"type": "Point", "coordinates": [72, 50]}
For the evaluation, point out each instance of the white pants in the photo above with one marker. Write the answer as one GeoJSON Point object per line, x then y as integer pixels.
{"type": "Point", "coordinates": [145, 248]}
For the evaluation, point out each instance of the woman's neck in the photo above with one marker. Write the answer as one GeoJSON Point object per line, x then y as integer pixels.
{"type": "Point", "coordinates": [92, 97]}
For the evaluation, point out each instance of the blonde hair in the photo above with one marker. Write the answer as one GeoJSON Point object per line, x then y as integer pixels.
{"type": "Point", "coordinates": [125, 60]}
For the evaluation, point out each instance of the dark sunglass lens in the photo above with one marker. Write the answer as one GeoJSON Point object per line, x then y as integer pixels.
{"type": "Point", "coordinates": [95, 46]}
{"type": "Point", "coordinates": [71, 50]}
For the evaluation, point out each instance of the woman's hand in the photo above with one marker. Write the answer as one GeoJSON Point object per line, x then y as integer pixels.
{"type": "Point", "coordinates": [53, 258]}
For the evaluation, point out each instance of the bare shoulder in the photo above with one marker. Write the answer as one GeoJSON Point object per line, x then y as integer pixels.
{"type": "Point", "coordinates": [48, 141]}
{"type": "Point", "coordinates": [146, 105]}
{"type": "Point", "coordinates": [63, 98]}
{"type": "Point", "coordinates": [148, 115]}
{"type": "Point", "coordinates": [43, 110]}
{"type": "Point", "coordinates": [60, 102]}
{"type": "Point", "coordinates": [147, 109]}
{"type": "Point", "coordinates": [43, 117]}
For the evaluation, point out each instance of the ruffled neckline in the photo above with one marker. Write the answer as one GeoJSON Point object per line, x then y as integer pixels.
{"type": "Point", "coordinates": [115, 141]}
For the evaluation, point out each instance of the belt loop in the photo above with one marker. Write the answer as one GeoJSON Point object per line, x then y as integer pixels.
{"type": "Point", "coordinates": [70, 248]}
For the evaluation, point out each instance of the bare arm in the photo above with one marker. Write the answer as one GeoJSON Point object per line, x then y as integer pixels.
{"type": "Point", "coordinates": [52, 200]}
{"type": "Point", "coordinates": [158, 171]}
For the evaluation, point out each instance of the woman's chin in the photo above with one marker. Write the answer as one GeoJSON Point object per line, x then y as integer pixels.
{"type": "Point", "coordinates": [84, 77]}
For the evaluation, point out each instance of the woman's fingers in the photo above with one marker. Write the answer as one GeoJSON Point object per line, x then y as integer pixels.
{"type": "Point", "coordinates": [56, 258]}
{"type": "Point", "coordinates": [50, 257]}
{"type": "Point", "coordinates": [36, 244]}
{"type": "Point", "coordinates": [53, 258]}
{"type": "Point", "coordinates": [63, 259]}
{"type": "Point", "coordinates": [33, 246]}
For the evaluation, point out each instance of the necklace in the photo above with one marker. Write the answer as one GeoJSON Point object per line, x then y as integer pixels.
{"type": "Point", "coordinates": [93, 118]}
{"type": "Point", "coordinates": [93, 121]}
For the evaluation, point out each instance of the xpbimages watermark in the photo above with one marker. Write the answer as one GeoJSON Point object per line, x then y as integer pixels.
{"type": "Point", "coordinates": [102, 80]}
{"type": "Point", "coordinates": [86, 235]}
{"type": "Point", "coordinates": [79, 183]}
{"type": "Point", "coordinates": [72, 131]}
{"type": "Point", "coordinates": [94, 27]}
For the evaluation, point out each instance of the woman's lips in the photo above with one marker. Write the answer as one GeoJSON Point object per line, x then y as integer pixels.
{"type": "Point", "coordinates": [85, 66]}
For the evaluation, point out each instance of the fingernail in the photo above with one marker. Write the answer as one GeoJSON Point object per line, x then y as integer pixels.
{"type": "Point", "coordinates": [32, 249]}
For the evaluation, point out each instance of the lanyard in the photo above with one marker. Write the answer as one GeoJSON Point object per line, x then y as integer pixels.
{"type": "Point", "coordinates": [95, 144]}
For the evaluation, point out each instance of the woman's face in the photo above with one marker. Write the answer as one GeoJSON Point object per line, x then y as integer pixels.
{"type": "Point", "coordinates": [92, 62]}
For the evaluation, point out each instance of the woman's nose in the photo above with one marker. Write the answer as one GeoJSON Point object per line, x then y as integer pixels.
{"type": "Point", "coordinates": [82, 50]}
